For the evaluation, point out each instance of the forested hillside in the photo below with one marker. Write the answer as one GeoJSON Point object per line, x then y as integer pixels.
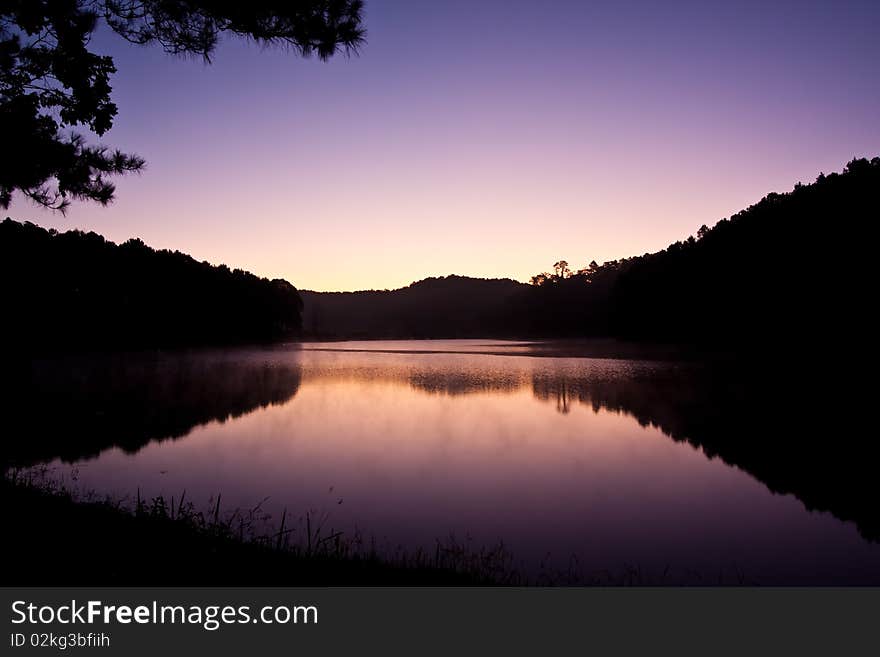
{"type": "Point", "coordinates": [793, 264]}
{"type": "Point", "coordinates": [444, 307]}
{"type": "Point", "coordinates": [78, 290]}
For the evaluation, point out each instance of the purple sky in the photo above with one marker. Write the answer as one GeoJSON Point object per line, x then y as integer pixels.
{"type": "Point", "coordinates": [486, 138]}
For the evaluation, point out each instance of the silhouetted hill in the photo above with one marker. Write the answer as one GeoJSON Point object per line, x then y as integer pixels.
{"type": "Point", "coordinates": [447, 307]}
{"type": "Point", "coordinates": [78, 290]}
{"type": "Point", "coordinates": [791, 266]}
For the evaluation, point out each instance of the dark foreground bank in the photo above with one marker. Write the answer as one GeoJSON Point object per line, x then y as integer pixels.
{"type": "Point", "coordinates": [58, 541]}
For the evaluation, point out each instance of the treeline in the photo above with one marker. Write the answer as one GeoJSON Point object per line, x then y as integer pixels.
{"type": "Point", "coordinates": [76, 290]}
{"type": "Point", "coordinates": [795, 265]}
{"type": "Point", "coordinates": [792, 265]}
{"type": "Point", "coordinates": [442, 307]}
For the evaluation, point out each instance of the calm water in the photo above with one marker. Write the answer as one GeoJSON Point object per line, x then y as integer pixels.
{"type": "Point", "coordinates": [596, 464]}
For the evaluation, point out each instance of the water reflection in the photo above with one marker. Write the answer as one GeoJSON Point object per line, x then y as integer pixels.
{"type": "Point", "coordinates": [559, 456]}
{"type": "Point", "coordinates": [74, 408]}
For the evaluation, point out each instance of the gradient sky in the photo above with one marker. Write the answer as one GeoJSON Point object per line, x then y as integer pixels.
{"type": "Point", "coordinates": [485, 138]}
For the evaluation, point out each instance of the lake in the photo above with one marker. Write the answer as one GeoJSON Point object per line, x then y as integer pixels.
{"type": "Point", "coordinates": [585, 468]}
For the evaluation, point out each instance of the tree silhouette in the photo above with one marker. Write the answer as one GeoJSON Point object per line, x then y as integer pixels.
{"type": "Point", "coordinates": [561, 268]}
{"type": "Point", "coordinates": [588, 271]}
{"type": "Point", "coordinates": [51, 83]}
{"type": "Point", "coordinates": [750, 280]}
{"type": "Point", "coordinates": [540, 279]}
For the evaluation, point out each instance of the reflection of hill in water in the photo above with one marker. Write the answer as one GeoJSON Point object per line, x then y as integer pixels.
{"type": "Point", "coordinates": [789, 431]}
{"type": "Point", "coordinates": [463, 383]}
{"type": "Point", "coordinates": [778, 425]}
{"type": "Point", "coordinates": [75, 408]}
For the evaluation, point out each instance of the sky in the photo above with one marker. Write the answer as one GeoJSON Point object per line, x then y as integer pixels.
{"type": "Point", "coordinates": [486, 138]}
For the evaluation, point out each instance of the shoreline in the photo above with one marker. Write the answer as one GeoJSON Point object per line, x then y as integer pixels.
{"type": "Point", "coordinates": [69, 542]}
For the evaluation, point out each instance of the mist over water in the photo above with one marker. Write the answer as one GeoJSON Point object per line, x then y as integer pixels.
{"type": "Point", "coordinates": [596, 465]}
